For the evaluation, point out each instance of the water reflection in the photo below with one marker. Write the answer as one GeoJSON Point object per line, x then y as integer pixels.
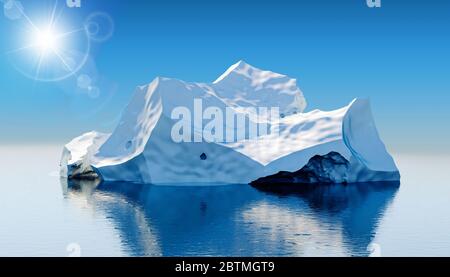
{"type": "Point", "coordinates": [240, 220]}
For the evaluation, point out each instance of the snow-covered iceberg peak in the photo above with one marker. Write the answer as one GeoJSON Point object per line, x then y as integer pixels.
{"type": "Point", "coordinates": [246, 85]}
{"type": "Point", "coordinates": [339, 146]}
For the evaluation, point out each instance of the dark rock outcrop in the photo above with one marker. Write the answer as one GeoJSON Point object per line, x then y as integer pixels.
{"type": "Point", "coordinates": [77, 173]}
{"type": "Point", "coordinates": [329, 169]}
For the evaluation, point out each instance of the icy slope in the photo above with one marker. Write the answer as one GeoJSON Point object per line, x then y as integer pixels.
{"type": "Point", "coordinates": [243, 85]}
{"type": "Point", "coordinates": [142, 148]}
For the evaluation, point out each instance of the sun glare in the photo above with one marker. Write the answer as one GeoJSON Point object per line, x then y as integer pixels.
{"type": "Point", "coordinates": [46, 40]}
{"type": "Point", "coordinates": [52, 49]}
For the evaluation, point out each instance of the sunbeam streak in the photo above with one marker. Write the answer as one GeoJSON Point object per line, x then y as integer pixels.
{"type": "Point", "coordinates": [65, 34]}
{"type": "Point", "coordinates": [63, 61]}
{"type": "Point", "coordinates": [26, 17]}
{"type": "Point", "coordinates": [27, 47]}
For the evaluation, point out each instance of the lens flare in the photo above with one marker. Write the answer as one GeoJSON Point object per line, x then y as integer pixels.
{"type": "Point", "coordinates": [52, 51]}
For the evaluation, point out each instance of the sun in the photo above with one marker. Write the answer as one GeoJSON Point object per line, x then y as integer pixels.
{"type": "Point", "coordinates": [51, 50]}
{"type": "Point", "coordinates": [46, 40]}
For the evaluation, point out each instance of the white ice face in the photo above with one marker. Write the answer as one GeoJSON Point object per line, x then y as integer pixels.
{"type": "Point", "coordinates": [143, 147]}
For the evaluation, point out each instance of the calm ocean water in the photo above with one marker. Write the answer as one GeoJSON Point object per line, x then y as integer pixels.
{"type": "Point", "coordinates": [41, 216]}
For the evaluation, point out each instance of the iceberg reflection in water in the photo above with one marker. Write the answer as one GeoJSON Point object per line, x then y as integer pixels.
{"type": "Point", "coordinates": [240, 220]}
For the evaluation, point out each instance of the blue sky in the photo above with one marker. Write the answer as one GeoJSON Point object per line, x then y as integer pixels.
{"type": "Point", "coordinates": [397, 55]}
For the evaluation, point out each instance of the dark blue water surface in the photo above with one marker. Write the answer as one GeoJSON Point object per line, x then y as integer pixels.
{"type": "Point", "coordinates": [242, 220]}
{"type": "Point", "coordinates": [42, 216]}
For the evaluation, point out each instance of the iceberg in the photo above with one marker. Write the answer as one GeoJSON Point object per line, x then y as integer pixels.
{"type": "Point", "coordinates": [267, 136]}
